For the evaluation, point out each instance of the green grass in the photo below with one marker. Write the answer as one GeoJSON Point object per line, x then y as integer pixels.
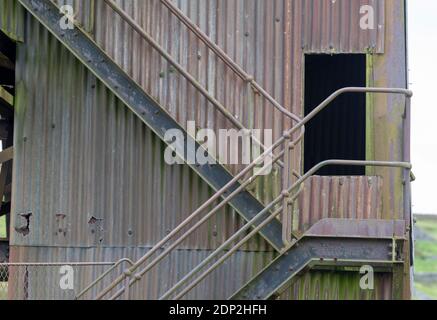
{"type": "Point", "coordinates": [426, 249]}
{"type": "Point", "coordinates": [3, 227]}
{"type": "Point", "coordinates": [429, 226]}
{"type": "Point", "coordinates": [426, 256]}
{"type": "Point", "coordinates": [429, 289]}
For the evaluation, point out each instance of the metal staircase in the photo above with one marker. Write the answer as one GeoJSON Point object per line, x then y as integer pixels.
{"type": "Point", "coordinates": [296, 252]}
{"type": "Point", "coordinates": [148, 110]}
{"type": "Point", "coordinates": [263, 218]}
{"type": "Point", "coordinates": [381, 247]}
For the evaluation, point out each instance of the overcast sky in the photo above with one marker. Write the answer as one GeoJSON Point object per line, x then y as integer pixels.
{"type": "Point", "coordinates": [423, 71]}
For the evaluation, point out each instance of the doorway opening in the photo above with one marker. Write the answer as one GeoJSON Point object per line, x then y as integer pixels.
{"type": "Point", "coordinates": [339, 131]}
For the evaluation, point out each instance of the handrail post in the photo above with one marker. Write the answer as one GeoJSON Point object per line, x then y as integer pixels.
{"type": "Point", "coordinates": [294, 194]}
{"type": "Point", "coordinates": [286, 176]}
{"type": "Point", "coordinates": [407, 189]}
{"type": "Point", "coordinates": [128, 274]}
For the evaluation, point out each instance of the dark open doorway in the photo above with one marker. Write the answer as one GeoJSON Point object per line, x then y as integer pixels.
{"type": "Point", "coordinates": [338, 132]}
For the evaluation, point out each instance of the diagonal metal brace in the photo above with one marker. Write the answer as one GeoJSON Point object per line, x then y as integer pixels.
{"type": "Point", "coordinates": [148, 110]}
{"type": "Point", "coordinates": [357, 246]}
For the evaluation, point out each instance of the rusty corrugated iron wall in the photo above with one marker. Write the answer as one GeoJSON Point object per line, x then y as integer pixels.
{"type": "Point", "coordinates": [334, 26]}
{"type": "Point", "coordinates": [328, 285]}
{"type": "Point", "coordinates": [11, 19]}
{"type": "Point", "coordinates": [267, 39]}
{"type": "Point", "coordinates": [82, 154]}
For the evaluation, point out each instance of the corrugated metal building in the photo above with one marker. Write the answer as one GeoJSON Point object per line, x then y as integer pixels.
{"type": "Point", "coordinates": [92, 174]}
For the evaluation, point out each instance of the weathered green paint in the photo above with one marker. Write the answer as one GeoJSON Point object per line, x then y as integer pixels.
{"type": "Point", "coordinates": [389, 70]}
{"type": "Point", "coordinates": [389, 110]}
{"type": "Point", "coordinates": [370, 120]}
{"type": "Point", "coordinates": [331, 285]}
{"type": "Point", "coordinates": [20, 114]}
{"type": "Point", "coordinates": [398, 282]}
{"type": "Point", "coordinates": [12, 19]}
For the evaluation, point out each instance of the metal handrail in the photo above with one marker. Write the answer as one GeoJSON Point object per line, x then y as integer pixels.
{"type": "Point", "coordinates": [54, 264]}
{"type": "Point", "coordinates": [112, 265]}
{"type": "Point", "coordinates": [128, 19]}
{"type": "Point", "coordinates": [44, 265]}
{"type": "Point", "coordinates": [243, 230]}
{"type": "Point", "coordinates": [407, 93]}
{"type": "Point", "coordinates": [223, 247]}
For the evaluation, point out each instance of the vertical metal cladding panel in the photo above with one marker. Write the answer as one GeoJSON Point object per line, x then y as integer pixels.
{"type": "Point", "coordinates": [328, 285]}
{"type": "Point", "coordinates": [334, 26]}
{"type": "Point", "coordinates": [219, 285]}
{"type": "Point", "coordinates": [343, 198]}
{"type": "Point", "coordinates": [90, 172]}
{"type": "Point", "coordinates": [84, 12]}
{"type": "Point", "coordinates": [11, 19]}
{"type": "Point", "coordinates": [338, 197]}
{"type": "Point", "coordinates": [389, 70]}
{"type": "Point", "coordinates": [171, 90]}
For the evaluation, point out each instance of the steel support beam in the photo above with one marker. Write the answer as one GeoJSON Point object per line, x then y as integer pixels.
{"type": "Point", "coordinates": [275, 278]}
{"type": "Point", "coordinates": [148, 110]}
{"type": "Point", "coordinates": [4, 252]}
{"type": "Point", "coordinates": [6, 155]}
{"type": "Point", "coordinates": [333, 242]}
